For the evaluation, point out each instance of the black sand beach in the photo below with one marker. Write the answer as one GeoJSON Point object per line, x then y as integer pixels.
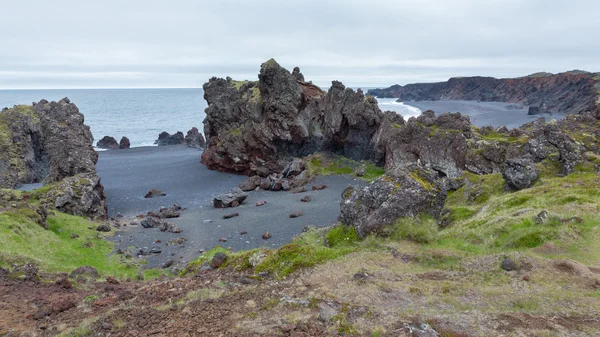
{"type": "Point", "coordinates": [496, 114]}
{"type": "Point", "coordinates": [128, 174]}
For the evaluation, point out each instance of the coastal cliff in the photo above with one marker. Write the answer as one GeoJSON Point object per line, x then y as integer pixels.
{"type": "Point", "coordinates": [568, 92]}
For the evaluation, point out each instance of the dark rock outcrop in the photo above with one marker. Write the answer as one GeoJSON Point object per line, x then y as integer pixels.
{"type": "Point", "coordinates": [49, 142]}
{"type": "Point", "coordinates": [107, 142]}
{"type": "Point", "coordinates": [82, 195]}
{"type": "Point", "coordinates": [67, 140]}
{"type": "Point", "coordinates": [403, 193]}
{"type": "Point", "coordinates": [164, 138]}
{"type": "Point", "coordinates": [194, 139]}
{"type": "Point", "coordinates": [297, 74]}
{"type": "Point", "coordinates": [519, 173]}
{"type": "Point", "coordinates": [124, 143]}
{"type": "Point", "coordinates": [252, 126]}
{"type": "Point", "coordinates": [568, 92]}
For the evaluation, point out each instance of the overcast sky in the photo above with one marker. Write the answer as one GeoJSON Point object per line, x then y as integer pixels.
{"type": "Point", "coordinates": [182, 43]}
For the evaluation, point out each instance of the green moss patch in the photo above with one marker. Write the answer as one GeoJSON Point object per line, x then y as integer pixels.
{"type": "Point", "coordinates": [327, 164]}
{"type": "Point", "coordinates": [69, 242]}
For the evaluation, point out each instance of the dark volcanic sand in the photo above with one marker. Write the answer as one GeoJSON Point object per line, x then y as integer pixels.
{"type": "Point", "coordinates": [511, 115]}
{"type": "Point", "coordinates": [128, 174]}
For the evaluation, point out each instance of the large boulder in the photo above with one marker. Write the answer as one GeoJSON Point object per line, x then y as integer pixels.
{"type": "Point", "coordinates": [82, 195]}
{"type": "Point", "coordinates": [519, 173]}
{"type": "Point", "coordinates": [107, 142]}
{"type": "Point", "coordinates": [164, 138]}
{"type": "Point", "coordinates": [402, 193]}
{"type": "Point", "coordinates": [194, 139]}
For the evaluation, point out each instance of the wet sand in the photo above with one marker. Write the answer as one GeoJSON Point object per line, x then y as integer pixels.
{"type": "Point", "coordinates": [128, 174]}
{"type": "Point", "coordinates": [511, 115]}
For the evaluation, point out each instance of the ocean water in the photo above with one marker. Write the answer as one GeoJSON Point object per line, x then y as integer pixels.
{"type": "Point", "coordinates": [141, 114]}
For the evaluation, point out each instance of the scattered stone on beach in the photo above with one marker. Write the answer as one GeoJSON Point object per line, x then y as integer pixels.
{"type": "Point", "coordinates": [299, 189]}
{"type": "Point", "coordinates": [103, 228]}
{"type": "Point", "coordinates": [218, 260]}
{"type": "Point", "coordinates": [319, 187]}
{"type": "Point", "coordinates": [169, 227]}
{"type": "Point", "coordinates": [194, 139]}
{"type": "Point", "coordinates": [178, 241]}
{"type": "Point", "coordinates": [230, 215]}
{"type": "Point", "coordinates": [261, 203]}
{"type": "Point", "coordinates": [154, 193]}
{"type": "Point", "coordinates": [155, 250]}
{"type": "Point", "coordinates": [232, 199]}
{"type": "Point", "coordinates": [170, 212]}
{"type": "Point", "coordinates": [306, 198]}
{"type": "Point", "coordinates": [296, 214]}
{"type": "Point", "coordinates": [250, 184]}
{"type": "Point", "coordinates": [150, 222]}
{"type": "Point", "coordinates": [207, 221]}
{"type": "Point", "coordinates": [107, 142]}
{"type": "Point", "coordinates": [266, 235]}
{"type": "Point", "coordinates": [124, 143]}
{"type": "Point", "coordinates": [243, 232]}
{"type": "Point", "coordinates": [222, 240]}
{"type": "Point", "coordinates": [164, 138]}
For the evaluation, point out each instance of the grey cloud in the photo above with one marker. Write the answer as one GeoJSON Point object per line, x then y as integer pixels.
{"type": "Point", "coordinates": [181, 43]}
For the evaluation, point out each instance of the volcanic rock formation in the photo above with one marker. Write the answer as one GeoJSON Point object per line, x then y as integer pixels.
{"type": "Point", "coordinates": [49, 142]}
{"type": "Point", "coordinates": [252, 127]}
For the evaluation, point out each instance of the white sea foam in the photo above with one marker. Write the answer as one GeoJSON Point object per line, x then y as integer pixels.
{"type": "Point", "coordinates": [405, 110]}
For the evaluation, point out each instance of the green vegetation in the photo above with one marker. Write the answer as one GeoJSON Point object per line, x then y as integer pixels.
{"type": "Point", "coordinates": [500, 137]}
{"type": "Point", "coordinates": [237, 85]}
{"type": "Point", "coordinates": [486, 218]}
{"type": "Point", "coordinates": [322, 164]}
{"type": "Point", "coordinates": [311, 248]}
{"type": "Point", "coordinates": [308, 250]}
{"type": "Point", "coordinates": [54, 250]}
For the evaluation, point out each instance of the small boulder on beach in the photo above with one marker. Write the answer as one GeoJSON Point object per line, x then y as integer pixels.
{"type": "Point", "coordinates": [232, 199]}
{"type": "Point", "coordinates": [319, 187]}
{"type": "Point", "coordinates": [154, 193]}
{"type": "Point", "coordinates": [266, 235]}
{"type": "Point", "coordinates": [261, 203]}
{"type": "Point", "coordinates": [306, 198]}
{"type": "Point", "coordinates": [250, 184]}
{"type": "Point", "coordinates": [230, 215]}
{"type": "Point", "coordinates": [296, 214]}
